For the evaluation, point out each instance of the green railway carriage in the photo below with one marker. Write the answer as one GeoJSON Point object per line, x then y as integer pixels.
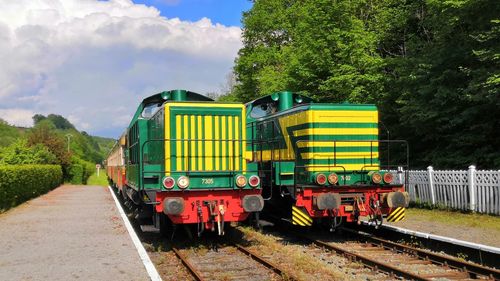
{"type": "Point", "coordinates": [323, 159]}
{"type": "Point", "coordinates": [186, 162]}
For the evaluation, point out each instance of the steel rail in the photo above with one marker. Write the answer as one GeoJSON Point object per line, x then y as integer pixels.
{"type": "Point", "coordinates": [196, 275]}
{"type": "Point", "coordinates": [371, 263]}
{"type": "Point", "coordinates": [473, 269]}
{"type": "Point", "coordinates": [264, 262]}
{"type": "Point", "coordinates": [374, 264]}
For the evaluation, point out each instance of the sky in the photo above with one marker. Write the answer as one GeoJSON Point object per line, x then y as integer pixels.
{"type": "Point", "coordinates": [93, 61]}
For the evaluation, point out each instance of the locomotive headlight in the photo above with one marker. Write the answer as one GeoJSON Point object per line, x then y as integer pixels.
{"type": "Point", "coordinates": [241, 181]}
{"type": "Point", "coordinates": [388, 178]}
{"type": "Point", "coordinates": [333, 178]}
{"type": "Point", "coordinates": [320, 179]}
{"type": "Point", "coordinates": [168, 182]}
{"type": "Point", "coordinates": [254, 181]}
{"type": "Point", "coordinates": [183, 182]}
{"type": "Point", "coordinates": [376, 177]}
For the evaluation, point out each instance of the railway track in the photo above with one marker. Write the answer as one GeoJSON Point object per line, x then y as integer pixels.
{"type": "Point", "coordinates": [402, 261]}
{"type": "Point", "coordinates": [232, 262]}
{"type": "Point", "coordinates": [479, 254]}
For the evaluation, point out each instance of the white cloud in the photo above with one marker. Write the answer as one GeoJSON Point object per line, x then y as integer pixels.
{"type": "Point", "coordinates": [95, 60]}
{"type": "Point", "coordinates": [17, 116]}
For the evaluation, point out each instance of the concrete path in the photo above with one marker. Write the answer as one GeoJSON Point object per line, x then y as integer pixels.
{"type": "Point", "coordinates": [73, 232]}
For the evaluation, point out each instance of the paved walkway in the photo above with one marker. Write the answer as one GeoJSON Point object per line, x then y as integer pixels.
{"type": "Point", "coordinates": [73, 232]}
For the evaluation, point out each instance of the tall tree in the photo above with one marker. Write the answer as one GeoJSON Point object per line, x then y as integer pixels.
{"type": "Point", "coordinates": [441, 60]}
{"type": "Point", "coordinates": [431, 66]}
{"type": "Point", "coordinates": [319, 47]}
{"type": "Point", "coordinates": [44, 133]}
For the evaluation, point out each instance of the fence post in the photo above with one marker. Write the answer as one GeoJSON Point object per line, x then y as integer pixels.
{"type": "Point", "coordinates": [430, 171]}
{"type": "Point", "coordinates": [472, 187]}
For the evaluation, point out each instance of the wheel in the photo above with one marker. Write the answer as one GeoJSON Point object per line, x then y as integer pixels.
{"type": "Point", "coordinates": [165, 224]}
{"type": "Point", "coordinates": [256, 222]}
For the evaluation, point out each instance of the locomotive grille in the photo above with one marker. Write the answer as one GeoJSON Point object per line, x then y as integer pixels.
{"type": "Point", "coordinates": [207, 140]}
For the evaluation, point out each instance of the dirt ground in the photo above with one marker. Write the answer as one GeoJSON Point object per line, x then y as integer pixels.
{"type": "Point", "coordinates": [476, 228]}
{"type": "Point", "coordinates": [73, 232]}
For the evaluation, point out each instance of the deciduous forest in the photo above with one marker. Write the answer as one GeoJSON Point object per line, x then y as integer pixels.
{"type": "Point", "coordinates": [431, 66]}
{"type": "Point", "coordinates": [53, 140]}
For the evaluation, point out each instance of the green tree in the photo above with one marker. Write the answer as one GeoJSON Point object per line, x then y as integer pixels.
{"type": "Point", "coordinates": [8, 134]}
{"type": "Point", "coordinates": [322, 48]}
{"type": "Point", "coordinates": [58, 121]}
{"type": "Point", "coordinates": [45, 133]}
{"type": "Point", "coordinates": [444, 81]}
{"type": "Point", "coordinates": [37, 118]}
{"type": "Point", "coordinates": [431, 66]}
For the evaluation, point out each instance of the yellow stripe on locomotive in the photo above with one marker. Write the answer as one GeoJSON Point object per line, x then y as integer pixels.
{"type": "Point", "coordinates": [397, 214]}
{"type": "Point", "coordinates": [300, 217]}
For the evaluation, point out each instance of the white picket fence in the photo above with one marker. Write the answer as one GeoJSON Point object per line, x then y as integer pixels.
{"type": "Point", "coordinates": [472, 189]}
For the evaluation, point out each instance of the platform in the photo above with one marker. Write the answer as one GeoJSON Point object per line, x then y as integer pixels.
{"type": "Point", "coordinates": [73, 232]}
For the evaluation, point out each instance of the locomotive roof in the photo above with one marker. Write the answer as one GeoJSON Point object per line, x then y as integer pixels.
{"type": "Point", "coordinates": [177, 95]}
{"type": "Point", "coordinates": [167, 95]}
{"type": "Point", "coordinates": [286, 102]}
{"type": "Point", "coordinates": [274, 97]}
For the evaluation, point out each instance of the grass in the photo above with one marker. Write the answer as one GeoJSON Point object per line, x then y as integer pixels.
{"type": "Point", "coordinates": [102, 179]}
{"type": "Point", "coordinates": [456, 218]}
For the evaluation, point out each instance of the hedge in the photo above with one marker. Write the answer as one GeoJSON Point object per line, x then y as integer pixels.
{"type": "Point", "coordinates": [19, 183]}
{"type": "Point", "coordinates": [88, 170]}
{"type": "Point", "coordinates": [79, 172]}
{"type": "Point", "coordinates": [75, 174]}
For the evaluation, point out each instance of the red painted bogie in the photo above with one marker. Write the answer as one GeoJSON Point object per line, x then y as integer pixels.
{"type": "Point", "coordinates": [195, 201]}
{"type": "Point", "coordinates": [353, 208]}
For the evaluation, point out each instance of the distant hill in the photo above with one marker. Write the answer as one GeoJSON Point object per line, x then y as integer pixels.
{"type": "Point", "coordinates": [90, 148]}
{"type": "Point", "coordinates": [9, 134]}
{"type": "Point", "coordinates": [105, 144]}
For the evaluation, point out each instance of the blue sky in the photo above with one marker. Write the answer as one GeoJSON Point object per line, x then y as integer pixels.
{"type": "Point", "coordinates": [93, 61]}
{"type": "Point", "coordinates": [226, 12]}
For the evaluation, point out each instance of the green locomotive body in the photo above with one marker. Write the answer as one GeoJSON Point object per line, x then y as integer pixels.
{"type": "Point", "coordinates": [323, 159]}
{"type": "Point", "coordinates": [185, 162]}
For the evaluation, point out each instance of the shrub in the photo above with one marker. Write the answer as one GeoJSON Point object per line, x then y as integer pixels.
{"type": "Point", "coordinates": [19, 183]}
{"type": "Point", "coordinates": [20, 153]}
{"type": "Point", "coordinates": [76, 174]}
{"type": "Point", "coordinates": [88, 170]}
{"type": "Point", "coordinates": [79, 171]}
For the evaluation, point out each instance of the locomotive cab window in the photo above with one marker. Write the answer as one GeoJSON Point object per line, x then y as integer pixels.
{"type": "Point", "coordinates": [263, 110]}
{"type": "Point", "coordinates": [150, 110]}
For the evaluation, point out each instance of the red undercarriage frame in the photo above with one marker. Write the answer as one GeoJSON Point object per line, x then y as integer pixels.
{"type": "Point", "coordinates": [208, 207]}
{"type": "Point", "coordinates": [352, 210]}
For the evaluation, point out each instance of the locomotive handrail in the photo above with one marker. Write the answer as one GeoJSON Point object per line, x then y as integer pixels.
{"type": "Point", "coordinates": [230, 172]}
{"type": "Point", "coordinates": [259, 140]}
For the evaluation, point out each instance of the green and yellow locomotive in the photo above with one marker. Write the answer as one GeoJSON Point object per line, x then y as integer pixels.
{"type": "Point", "coordinates": [320, 162]}
{"type": "Point", "coordinates": [183, 160]}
